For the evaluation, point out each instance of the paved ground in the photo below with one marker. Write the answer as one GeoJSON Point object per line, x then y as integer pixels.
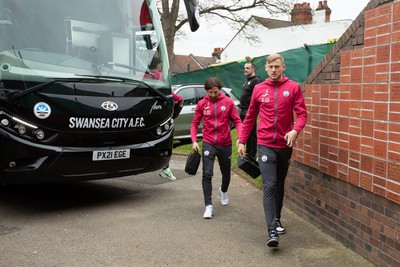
{"type": "Point", "coordinates": [149, 221]}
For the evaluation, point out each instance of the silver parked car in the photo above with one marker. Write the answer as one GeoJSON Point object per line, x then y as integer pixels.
{"type": "Point", "coordinates": [192, 94]}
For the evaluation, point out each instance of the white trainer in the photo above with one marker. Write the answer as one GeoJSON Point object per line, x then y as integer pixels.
{"type": "Point", "coordinates": [224, 197]}
{"type": "Point", "coordinates": [208, 213]}
{"type": "Point", "coordinates": [167, 173]}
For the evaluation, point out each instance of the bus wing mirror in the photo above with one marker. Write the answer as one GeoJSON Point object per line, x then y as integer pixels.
{"type": "Point", "coordinates": [193, 14]}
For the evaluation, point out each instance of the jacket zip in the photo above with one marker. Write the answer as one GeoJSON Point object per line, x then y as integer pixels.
{"type": "Point", "coordinates": [275, 109]}
{"type": "Point", "coordinates": [215, 122]}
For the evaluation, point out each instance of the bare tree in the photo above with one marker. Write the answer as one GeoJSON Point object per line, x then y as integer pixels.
{"type": "Point", "coordinates": [235, 13]}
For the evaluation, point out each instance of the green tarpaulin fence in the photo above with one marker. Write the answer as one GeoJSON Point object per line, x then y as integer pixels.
{"type": "Point", "coordinates": [299, 64]}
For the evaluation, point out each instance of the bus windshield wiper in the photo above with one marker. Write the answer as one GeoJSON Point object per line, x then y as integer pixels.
{"type": "Point", "coordinates": [32, 89]}
{"type": "Point", "coordinates": [43, 85]}
{"type": "Point", "coordinates": [147, 71]}
{"type": "Point", "coordinates": [124, 80]}
{"type": "Point", "coordinates": [89, 78]}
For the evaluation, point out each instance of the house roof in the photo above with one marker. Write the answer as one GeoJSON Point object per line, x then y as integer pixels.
{"type": "Point", "coordinates": [185, 63]}
{"type": "Point", "coordinates": [272, 23]}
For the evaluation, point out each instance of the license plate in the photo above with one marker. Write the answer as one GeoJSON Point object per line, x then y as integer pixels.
{"type": "Point", "coordinates": [111, 154]}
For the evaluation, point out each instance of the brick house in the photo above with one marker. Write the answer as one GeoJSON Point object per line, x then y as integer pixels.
{"type": "Point", "coordinates": [345, 174]}
{"type": "Point", "coordinates": [187, 63]}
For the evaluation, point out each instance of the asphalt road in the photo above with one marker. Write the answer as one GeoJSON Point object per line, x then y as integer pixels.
{"type": "Point", "coordinates": [150, 221]}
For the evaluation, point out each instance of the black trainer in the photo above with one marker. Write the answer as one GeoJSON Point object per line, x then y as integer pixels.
{"type": "Point", "coordinates": [273, 239]}
{"type": "Point", "coordinates": [279, 227]}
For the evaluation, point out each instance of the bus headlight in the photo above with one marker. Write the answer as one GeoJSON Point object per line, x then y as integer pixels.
{"type": "Point", "coordinates": [21, 129]}
{"type": "Point", "coordinates": [39, 134]}
{"type": "Point", "coordinates": [5, 122]}
{"type": "Point", "coordinates": [165, 127]}
{"type": "Point", "coordinates": [24, 128]}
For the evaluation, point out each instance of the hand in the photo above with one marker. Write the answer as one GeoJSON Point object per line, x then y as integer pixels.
{"type": "Point", "coordinates": [241, 150]}
{"type": "Point", "coordinates": [291, 138]}
{"type": "Point", "coordinates": [195, 146]}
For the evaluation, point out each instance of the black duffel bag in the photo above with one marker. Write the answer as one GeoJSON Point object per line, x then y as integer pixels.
{"type": "Point", "coordinates": [192, 163]}
{"type": "Point", "coordinates": [249, 165]}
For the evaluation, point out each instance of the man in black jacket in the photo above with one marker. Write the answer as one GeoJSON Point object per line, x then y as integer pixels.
{"type": "Point", "coordinates": [247, 90]}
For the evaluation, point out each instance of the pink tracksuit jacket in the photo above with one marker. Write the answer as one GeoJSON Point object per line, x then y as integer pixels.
{"type": "Point", "coordinates": [216, 117]}
{"type": "Point", "coordinates": [276, 102]}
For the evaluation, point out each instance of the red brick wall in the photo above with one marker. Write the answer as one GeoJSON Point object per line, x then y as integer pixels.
{"type": "Point", "coordinates": [346, 174]}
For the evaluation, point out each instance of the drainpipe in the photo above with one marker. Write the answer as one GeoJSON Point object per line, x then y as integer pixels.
{"type": "Point", "coordinates": [309, 59]}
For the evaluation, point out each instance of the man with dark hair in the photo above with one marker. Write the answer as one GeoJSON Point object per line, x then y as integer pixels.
{"type": "Point", "coordinates": [216, 110]}
{"type": "Point", "coordinates": [274, 101]}
{"type": "Point", "coordinates": [247, 90]}
{"type": "Point", "coordinates": [155, 69]}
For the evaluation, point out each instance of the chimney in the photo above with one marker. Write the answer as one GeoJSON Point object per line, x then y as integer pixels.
{"type": "Point", "coordinates": [301, 13]}
{"type": "Point", "coordinates": [217, 52]}
{"type": "Point", "coordinates": [320, 6]}
{"type": "Point", "coordinates": [328, 11]}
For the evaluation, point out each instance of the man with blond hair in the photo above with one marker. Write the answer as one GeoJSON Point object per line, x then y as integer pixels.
{"type": "Point", "coordinates": [274, 101]}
